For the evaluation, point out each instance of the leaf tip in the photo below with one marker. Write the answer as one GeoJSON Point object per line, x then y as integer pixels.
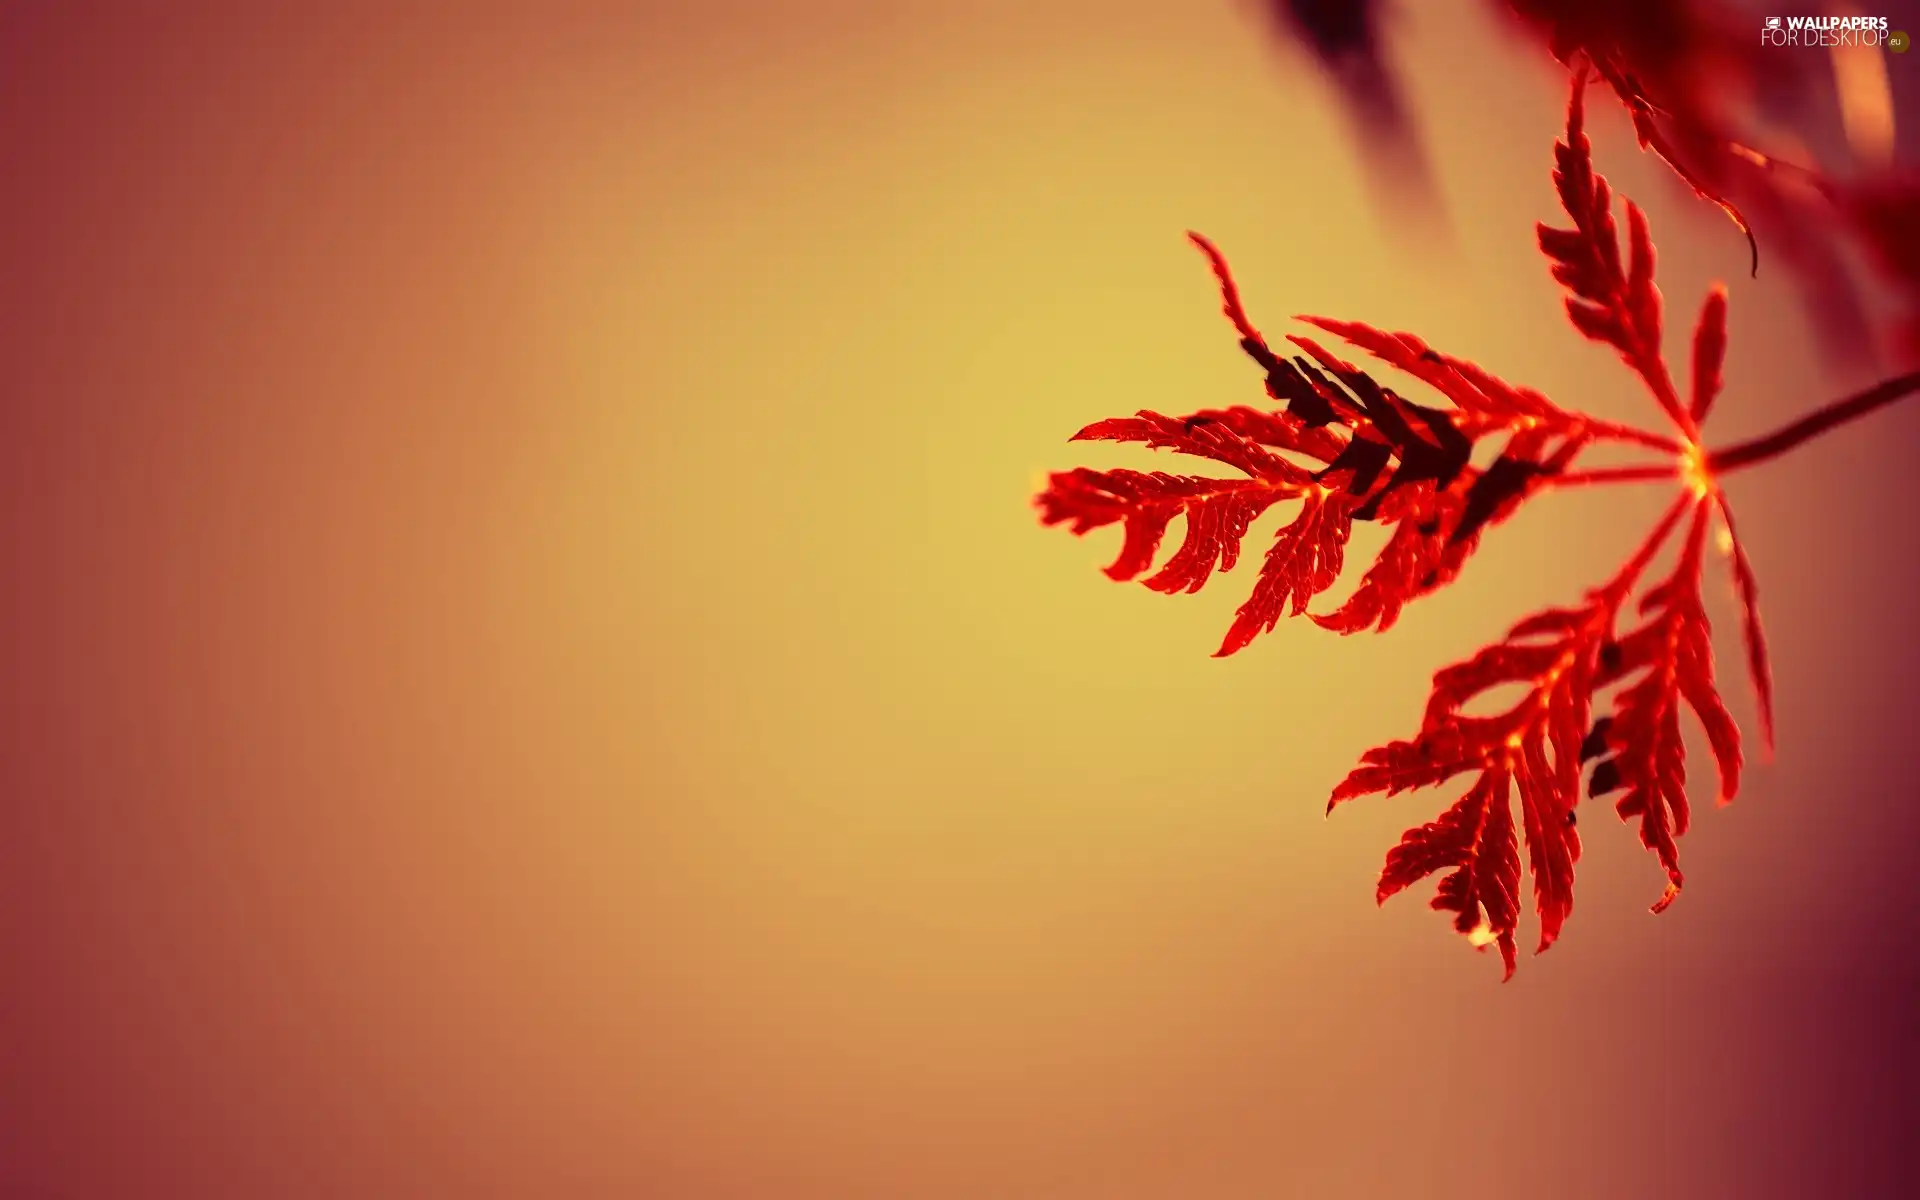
{"type": "Point", "coordinates": [1238, 638]}
{"type": "Point", "coordinates": [1667, 897]}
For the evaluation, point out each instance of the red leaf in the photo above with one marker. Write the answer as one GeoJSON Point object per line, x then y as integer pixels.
{"type": "Point", "coordinates": [1475, 837]}
{"type": "Point", "coordinates": [1418, 559]}
{"type": "Point", "coordinates": [1409, 466]}
{"type": "Point", "coordinates": [1513, 745]}
{"type": "Point", "coordinates": [1751, 634]}
{"type": "Point", "coordinates": [1236, 441]}
{"type": "Point", "coordinates": [1560, 655]}
{"type": "Point", "coordinates": [1218, 512]}
{"type": "Point", "coordinates": [1229, 290]}
{"type": "Point", "coordinates": [1675, 650]}
{"type": "Point", "coordinates": [1553, 844]}
{"type": "Point", "coordinates": [1642, 297]}
{"type": "Point", "coordinates": [1387, 459]}
{"type": "Point", "coordinates": [1304, 560]}
{"type": "Point", "coordinates": [1611, 304]}
{"type": "Point", "coordinates": [1709, 353]}
{"type": "Point", "coordinates": [1619, 307]}
{"type": "Point", "coordinates": [1486, 402]}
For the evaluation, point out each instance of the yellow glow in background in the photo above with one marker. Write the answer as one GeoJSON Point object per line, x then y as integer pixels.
{"type": "Point", "coordinates": [530, 670]}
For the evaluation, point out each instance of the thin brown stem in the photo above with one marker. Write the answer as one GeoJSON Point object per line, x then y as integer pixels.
{"type": "Point", "coordinates": [1772, 445]}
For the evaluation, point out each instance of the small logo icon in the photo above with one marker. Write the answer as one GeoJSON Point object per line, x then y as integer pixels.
{"type": "Point", "coordinates": [1898, 41]}
{"type": "Point", "coordinates": [1773, 22]}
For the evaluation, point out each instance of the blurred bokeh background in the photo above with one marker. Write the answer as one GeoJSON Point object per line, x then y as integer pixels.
{"type": "Point", "coordinates": [529, 670]}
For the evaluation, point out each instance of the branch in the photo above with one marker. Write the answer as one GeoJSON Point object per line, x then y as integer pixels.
{"type": "Point", "coordinates": [1772, 445]}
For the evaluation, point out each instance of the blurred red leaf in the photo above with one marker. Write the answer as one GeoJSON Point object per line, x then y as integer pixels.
{"type": "Point", "coordinates": [1346, 40]}
{"type": "Point", "coordinates": [1701, 90]}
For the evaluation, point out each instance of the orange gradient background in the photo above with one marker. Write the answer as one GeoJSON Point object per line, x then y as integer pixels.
{"type": "Point", "coordinates": [530, 671]}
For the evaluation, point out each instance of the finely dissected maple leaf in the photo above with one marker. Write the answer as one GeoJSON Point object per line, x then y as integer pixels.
{"type": "Point", "coordinates": [1349, 449]}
